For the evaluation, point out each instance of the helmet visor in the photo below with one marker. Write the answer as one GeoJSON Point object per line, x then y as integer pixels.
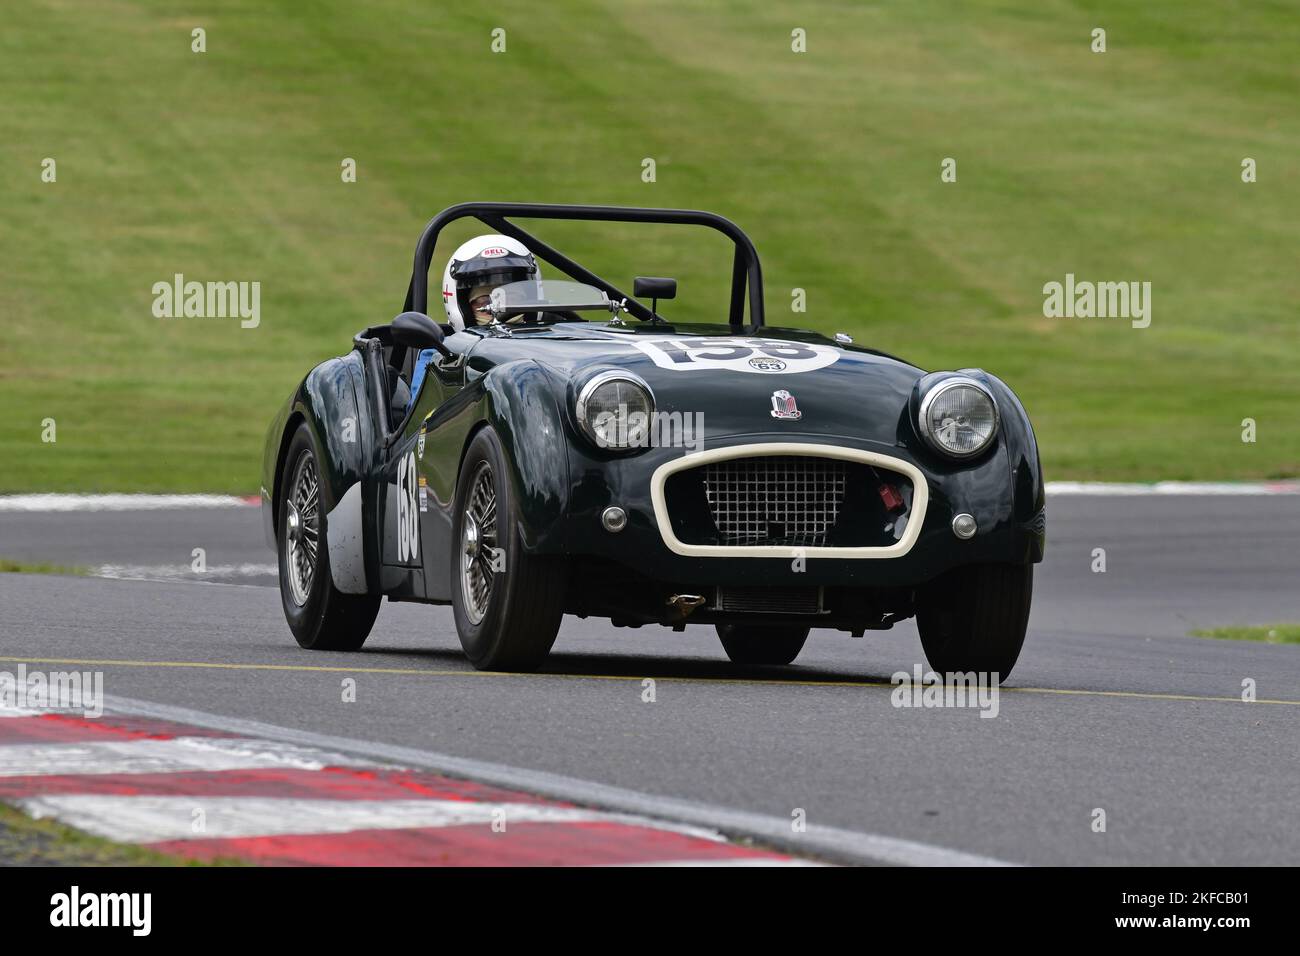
{"type": "Point", "coordinates": [471, 269]}
{"type": "Point", "coordinates": [474, 291]}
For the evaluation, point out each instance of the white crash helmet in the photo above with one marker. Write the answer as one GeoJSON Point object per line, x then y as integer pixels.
{"type": "Point", "coordinates": [483, 261]}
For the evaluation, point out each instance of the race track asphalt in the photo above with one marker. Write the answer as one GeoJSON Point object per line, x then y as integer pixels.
{"type": "Point", "coordinates": [1112, 706]}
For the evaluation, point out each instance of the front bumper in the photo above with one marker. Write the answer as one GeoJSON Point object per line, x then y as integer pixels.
{"type": "Point", "coordinates": [984, 489]}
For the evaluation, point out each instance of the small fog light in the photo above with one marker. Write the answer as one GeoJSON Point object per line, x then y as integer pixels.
{"type": "Point", "coordinates": [963, 526]}
{"type": "Point", "coordinates": [614, 519]}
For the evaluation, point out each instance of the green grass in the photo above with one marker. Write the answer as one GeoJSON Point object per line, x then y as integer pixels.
{"type": "Point", "coordinates": [1268, 634]}
{"type": "Point", "coordinates": [9, 566]}
{"type": "Point", "coordinates": [225, 166]}
{"type": "Point", "coordinates": [28, 842]}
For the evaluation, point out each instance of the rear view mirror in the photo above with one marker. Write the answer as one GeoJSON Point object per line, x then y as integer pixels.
{"type": "Point", "coordinates": [652, 287]}
{"type": "Point", "coordinates": [417, 330]}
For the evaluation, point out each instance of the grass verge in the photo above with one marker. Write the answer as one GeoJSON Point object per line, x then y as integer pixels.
{"type": "Point", "coordinates": [1265, 634]}
{"type": "Point", "coordinates": [10, 566]}
{"type": "Point", "coordinates": [25, 841]}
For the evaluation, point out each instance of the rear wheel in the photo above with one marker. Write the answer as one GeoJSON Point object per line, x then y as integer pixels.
{"type": "Point", "coordinates": [974, 618]}
{"type": "Point", "coordinates": [762, 644]}
{"type": "Point", "coordinates": [508, 603]}
{"type": "Point", "coordinates": [321, 617]}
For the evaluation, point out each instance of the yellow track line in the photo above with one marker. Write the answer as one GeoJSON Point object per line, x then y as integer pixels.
{"type": "Point", "coordinates": [429, 672]}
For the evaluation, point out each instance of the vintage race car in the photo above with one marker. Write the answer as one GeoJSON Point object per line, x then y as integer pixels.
{"type": "Point", "coordinates": [580, 454]}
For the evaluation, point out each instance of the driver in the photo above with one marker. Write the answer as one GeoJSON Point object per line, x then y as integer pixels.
{"type": "Point", "coordinates": [478, 267]}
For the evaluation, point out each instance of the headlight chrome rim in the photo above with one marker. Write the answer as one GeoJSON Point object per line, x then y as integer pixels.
{"type": "Point", "coordinates": [927, 401]}
{"type": "Point", "coordinates": [589, 388]}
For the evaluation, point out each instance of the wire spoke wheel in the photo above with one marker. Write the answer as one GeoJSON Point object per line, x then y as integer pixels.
{"type": "Point", "coordinates": [479, 563]}
{"type": "Point", "coordinates": [322, 617]}
{"type": "Point", "coordinates": [507, 615]}
{"type": "Point", "coordinates": [302, 528]}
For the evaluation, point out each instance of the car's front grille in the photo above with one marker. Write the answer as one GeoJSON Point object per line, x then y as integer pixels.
{"type": "Point", "coordinates": [791, 500]}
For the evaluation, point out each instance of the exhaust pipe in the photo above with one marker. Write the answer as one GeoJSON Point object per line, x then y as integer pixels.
{"type": "Point", "coordinates": [684, 604]}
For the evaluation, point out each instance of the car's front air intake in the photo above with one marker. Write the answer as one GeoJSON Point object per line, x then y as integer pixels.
{"type": "Point", "coordinates": [774, 503]}
{"type": "Point", "coordinates": [769, 600]}
{"type": "Point", "coordinates": [792, 500]}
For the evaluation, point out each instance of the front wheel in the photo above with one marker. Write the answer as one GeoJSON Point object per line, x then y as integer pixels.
{"type": "Point", "coordinates": [974, 618]}
{"type": "Point", "coordinates": [508, 603]}
{"type": "Point", "coordinates": [762, 644]}
{"type": "Point", "coordinates": [321, 617]}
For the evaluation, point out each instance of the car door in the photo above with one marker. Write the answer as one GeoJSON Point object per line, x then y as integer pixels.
{"type": "Point", "coordinates": [403, 492]}
{"type": "Point", "coordinates": [433, 438]}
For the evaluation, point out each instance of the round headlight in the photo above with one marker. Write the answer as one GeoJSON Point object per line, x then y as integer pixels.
{"type": "Point", "coordinates": [958, 417]}
{"type": "Point", "coordinates": [614, 410]}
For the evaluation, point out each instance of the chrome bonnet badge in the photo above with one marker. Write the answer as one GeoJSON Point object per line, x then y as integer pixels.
{"type": "Point", "coordinates": [784, 406]}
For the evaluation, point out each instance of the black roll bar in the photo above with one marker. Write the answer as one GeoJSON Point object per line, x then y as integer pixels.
{"type": "Point", "coordinates": [746, 274]}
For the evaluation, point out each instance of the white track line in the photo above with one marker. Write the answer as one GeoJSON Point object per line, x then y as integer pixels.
{"type": "Point", "coordinates": [178, 754]}
{"type": "Point", "coordinates": [1129, 489]}
{"type": "Point", "coordinates": [817, 840]}
{"type": "Point", "coordinates": [183, 572]}
{"type": "Point", "coordinates": [738, 861]}
{"type": "Point", "coordinates": [52, 502]}
{"type": "Point", "coordinates": [152, 819]}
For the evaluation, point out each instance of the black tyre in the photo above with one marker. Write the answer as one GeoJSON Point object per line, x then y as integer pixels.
{"type": "Point", "coordinates": [321, 617]}
{"type": "Point", "coordinates": [762, 644]}
{"type": "Point", "coordinates": [974, 618]}
{"type": "Point", "coordinates": [508, 603]}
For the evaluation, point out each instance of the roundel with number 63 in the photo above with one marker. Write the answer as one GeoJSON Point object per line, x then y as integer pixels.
{"type": "Point", "coordinates": [758, 355]}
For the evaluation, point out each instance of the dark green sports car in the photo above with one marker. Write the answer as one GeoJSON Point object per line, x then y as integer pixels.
{"type": "Point", "coordinates": [565, 449]}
